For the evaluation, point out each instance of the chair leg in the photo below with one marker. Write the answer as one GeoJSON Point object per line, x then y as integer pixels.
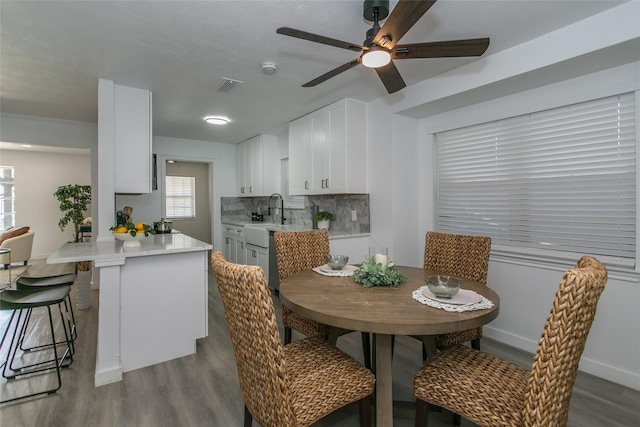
{"type": "Point", "coordinates": [366, 349]}
{"type": "Point", "coordinates": [248, 419]}
{"type": "Point", "coordinates": [57, 361]}
{"type": "Point", "coordinates": [475, 344]}
{"type": "Point", "coordinates": [365, 411]}
{"type": "Point", "coordinates": [457, 419]}
{"type": "Point", "coordinates": [422, 409]}
{"type": "Point", "coordinates": [287, 335]}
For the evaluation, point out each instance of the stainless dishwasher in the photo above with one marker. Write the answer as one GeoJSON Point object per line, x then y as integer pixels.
{"type": "Point", "coordinates": [274, 277]}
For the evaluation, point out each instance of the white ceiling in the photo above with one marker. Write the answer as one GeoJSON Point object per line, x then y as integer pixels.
{"type": "Point", "coordinates": [52, 54]}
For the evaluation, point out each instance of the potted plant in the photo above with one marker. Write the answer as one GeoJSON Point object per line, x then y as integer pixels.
{"type": "Point", "coordinates": [74, 200]}
{"type": "Point", "coordinates": [323, 218]}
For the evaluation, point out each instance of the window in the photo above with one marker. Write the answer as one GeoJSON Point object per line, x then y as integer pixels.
{"type": "Point", "coordinates": [180, 197]}
{"type": "Point", "coordinates": [7, 198]}
{"type": "Point", "coordinates": [562, 179]}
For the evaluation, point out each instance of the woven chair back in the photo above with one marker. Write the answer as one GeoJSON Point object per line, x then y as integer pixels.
{"type": "Point", "coordinates": [260, 360]}
{"type": "Point", "coordinates": [298, 251]}
{"type": "Point", "coordinates": [458, 255]}
{"type": "Point", "coordinates": [563, 339]}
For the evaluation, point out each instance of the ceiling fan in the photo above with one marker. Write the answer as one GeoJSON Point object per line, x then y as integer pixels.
{"type": "Point", "coordinates": [380, 47]}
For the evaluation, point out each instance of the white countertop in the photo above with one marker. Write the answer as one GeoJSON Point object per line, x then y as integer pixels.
{"type": "Point", "coordinates": [333, 234]}
{"type": "Point", "coordinates": [159, 244]}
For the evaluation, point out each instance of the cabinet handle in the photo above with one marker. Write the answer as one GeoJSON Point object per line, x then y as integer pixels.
{"type": "Point", "coordinates": [241, 245]}
{"type": "Point", "coordinates": [241, 190]}
{"type": "Point", "coordinates": [253, 254]}
{"type": "Point", "coordinates": [306, 185]}
{"type": "Point", "coordinates": [322, 183]}
{"type": "Point", "coordinates": [250, 189]}
{"type": "Point", "coordinates": [327, 183]}
{"type": "Point", "coordinates": [227, 240]}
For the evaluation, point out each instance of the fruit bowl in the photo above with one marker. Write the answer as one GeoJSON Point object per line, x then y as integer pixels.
{"type": "Point", "coordinates": [443, 286]}
{"type": "Point", "coordinates": [129, 240]}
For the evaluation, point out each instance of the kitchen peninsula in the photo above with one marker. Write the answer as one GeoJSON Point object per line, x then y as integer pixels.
{"type": "Point", "coordinates": [153, 300]}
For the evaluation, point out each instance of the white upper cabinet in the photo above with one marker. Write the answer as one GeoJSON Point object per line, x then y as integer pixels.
{"type": "Point", "coordinates": [133, 136]}
{"type": "Point", "coordinates": [257, 165]}
{"type": "Point", "coordinates": [328, 150]}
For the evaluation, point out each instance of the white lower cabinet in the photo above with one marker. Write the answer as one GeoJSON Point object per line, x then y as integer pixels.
{"type": "Point", "coordinates": [234, 247]}
{"type": "Point", "coordinates": [259, 256]}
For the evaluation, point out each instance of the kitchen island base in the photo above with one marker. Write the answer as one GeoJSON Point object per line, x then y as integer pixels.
{"type": "Point", "coordinates": [153, 300]}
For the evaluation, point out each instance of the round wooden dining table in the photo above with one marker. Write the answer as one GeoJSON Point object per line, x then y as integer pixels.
{"type": "Point", "coordinates": [340, 302]}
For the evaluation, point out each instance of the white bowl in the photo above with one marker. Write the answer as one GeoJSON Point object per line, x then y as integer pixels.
{"type": "Point", "coordinates": [129, 240]}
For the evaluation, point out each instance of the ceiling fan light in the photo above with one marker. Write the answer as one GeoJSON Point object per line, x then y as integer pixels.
{"type": "Point", "coordinates": [216, 120]}
{"type": "Point", "coordinates": [375, 58]}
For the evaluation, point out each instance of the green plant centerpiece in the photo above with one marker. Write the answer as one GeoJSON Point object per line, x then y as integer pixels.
{"type": "Point", "coordinates": [374, 273]}
{"type": "Point", "coordinates": [74, 201]}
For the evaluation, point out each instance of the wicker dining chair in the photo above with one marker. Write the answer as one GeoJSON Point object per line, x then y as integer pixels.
{"type": "Point", "coordinates": [284, 386]}
{"type": "Point", "coordinates": [462, 256]}
{"type": "Point", "coordinates": [493, 392]}
{"type": "Point", "coordinates": [304, 250]}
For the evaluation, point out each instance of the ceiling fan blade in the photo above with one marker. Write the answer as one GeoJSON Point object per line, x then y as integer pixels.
{"type": "Point", "coordinates": [402, 18]}
{"type": "Point", "coordinates": [332, 73]}
{"type": "Point", "coordinates": [452, 48]}
{"type": "Point", "coordinates": [318, 39]}
{"type": "Point", "coordinates": [391, 77]}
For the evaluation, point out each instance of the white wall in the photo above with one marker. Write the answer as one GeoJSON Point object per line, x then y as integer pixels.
{"type": "Point", "coordinates": [37, 177]}
{"type": "Point", "coordinates": [572, 64]}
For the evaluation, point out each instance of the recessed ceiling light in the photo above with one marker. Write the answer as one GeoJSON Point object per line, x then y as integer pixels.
{"type": "Point", "coordinates": [26, 145]}
{"type": "Point", "coordinates": [216, 120]}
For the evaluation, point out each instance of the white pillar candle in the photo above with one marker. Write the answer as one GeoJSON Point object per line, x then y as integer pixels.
{"type": "Point", "coordinates": [382, 259]}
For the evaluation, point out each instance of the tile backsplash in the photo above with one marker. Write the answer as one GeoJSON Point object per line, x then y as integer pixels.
{"type": "Point", "coordinates": [342, 206]}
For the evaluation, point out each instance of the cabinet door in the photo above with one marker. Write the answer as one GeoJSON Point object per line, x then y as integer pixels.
{"type": "Point", "coordinates": [240, 154]}
{"type": "Point", "coordinates": [241, 252]}
{"type": "Point", "coordinates": [319, 159]}
{"type": "Point", "coordinates": [229, 248]}
{"type": "Point", "coordinates": [336, 149]}
{"type": "Point", "coordinates": [255, 160]}
{"type": "Point", "coordinates": [300, 156]}
{"type": "Point", "coordinates": [258, 256]}
{"type": "Point", "coordinates": [132, 116]}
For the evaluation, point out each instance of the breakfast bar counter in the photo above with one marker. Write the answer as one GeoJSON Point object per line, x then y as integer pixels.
{"type": "Point", "coordinates": [153, 299]}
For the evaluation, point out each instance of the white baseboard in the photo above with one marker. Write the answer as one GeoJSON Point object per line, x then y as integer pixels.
{"type": "Point", "coordinates": [590, 366]}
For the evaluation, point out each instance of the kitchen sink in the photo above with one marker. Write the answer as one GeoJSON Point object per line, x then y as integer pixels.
{"type": "Point", "coordinates": [258, 234]}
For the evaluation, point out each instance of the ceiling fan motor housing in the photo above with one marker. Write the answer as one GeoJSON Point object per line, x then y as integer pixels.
{"type": "Point", "coordinates": [370, 6]}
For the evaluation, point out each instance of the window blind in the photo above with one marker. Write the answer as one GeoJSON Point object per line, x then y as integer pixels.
{"type": "Point", "coordinates": [562, 179]}
{"type": "Point", "coordinates": [180, 196]}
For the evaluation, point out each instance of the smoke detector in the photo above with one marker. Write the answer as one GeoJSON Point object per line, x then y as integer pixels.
{"type": "Point", "coordinates": [269, 68]}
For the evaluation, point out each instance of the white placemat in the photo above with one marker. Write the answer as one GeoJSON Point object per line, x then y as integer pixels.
{"type": "Point", "coordinates": [346, 271]}
{"type": "Point", "coordinates": [419, 296]}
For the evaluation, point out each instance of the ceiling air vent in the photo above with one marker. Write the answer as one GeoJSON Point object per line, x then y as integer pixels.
{"type": "Point", "coordinates": [226, 84]}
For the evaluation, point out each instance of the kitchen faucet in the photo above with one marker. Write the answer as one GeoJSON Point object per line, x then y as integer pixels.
{"type": "Point", "coordinates": [282, 218]}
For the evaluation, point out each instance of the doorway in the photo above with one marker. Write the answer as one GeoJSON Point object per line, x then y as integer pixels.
{"type": "Point", "coordinates": [199, 225]}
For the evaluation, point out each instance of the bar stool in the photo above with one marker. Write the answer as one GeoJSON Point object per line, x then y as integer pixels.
{"type": "Point", "coordinates": [21, 302]}
{"type": "Point", "coordinates": [42, 283]}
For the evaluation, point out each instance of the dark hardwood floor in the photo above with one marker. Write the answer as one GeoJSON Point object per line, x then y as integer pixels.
{"type": "Point", "coordinates": [202, 389]}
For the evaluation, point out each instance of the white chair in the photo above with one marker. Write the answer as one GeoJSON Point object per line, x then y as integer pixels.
{"type": "Point", "coordinates": [20, 249]}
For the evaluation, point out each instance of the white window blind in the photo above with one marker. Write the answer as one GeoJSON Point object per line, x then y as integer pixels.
{"type": "Point", "coordinates": [180, 196]}
{"type": "Point", "coordinates": [561, 179]}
